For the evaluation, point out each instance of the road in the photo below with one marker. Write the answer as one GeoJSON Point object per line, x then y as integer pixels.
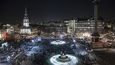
{"type": "Point", "coordinates": [106, 56]}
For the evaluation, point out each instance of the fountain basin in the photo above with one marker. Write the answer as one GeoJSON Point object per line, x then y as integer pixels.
{"type": "Point", "coordinates": [64, 60]}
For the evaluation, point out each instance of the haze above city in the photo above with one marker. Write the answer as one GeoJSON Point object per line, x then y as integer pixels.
{"type": "Point", "coordinates": [13, 10]}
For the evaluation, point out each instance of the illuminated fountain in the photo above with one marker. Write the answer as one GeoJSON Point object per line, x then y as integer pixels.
{"type": "Point", "coordinates": [63, 59]}
{"type": "Point", "coordinates": [36, 39]}
{"type": "Point", "coordinates": [58, 42]}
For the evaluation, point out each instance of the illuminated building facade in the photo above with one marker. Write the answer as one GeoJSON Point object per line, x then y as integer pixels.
{"type": "Point", "coordinates": [83, 26]}
{"type": "Point", "coordinates": [1, 35]}
{"type": "Point", "coordinates": [8, 28]}
{"type": "Point", "coordinates": [71, 26]}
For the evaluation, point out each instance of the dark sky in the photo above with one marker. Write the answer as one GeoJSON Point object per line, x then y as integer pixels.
{"type": "Point", "coordinates": [13, 10]}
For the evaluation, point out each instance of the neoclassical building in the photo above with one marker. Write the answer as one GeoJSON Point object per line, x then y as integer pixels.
{"type": "Point", "coordinates": [83, 27]}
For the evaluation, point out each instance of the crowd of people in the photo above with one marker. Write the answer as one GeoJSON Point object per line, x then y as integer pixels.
{"type": "Point", "coordinates": [17, 55]}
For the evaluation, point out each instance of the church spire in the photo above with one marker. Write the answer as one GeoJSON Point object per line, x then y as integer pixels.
{"type": "Point", "coordinates": [26, 19]}
{"type": "Point", "coordinates": [26, 28]}
{"type": "Point", "coordinates": [25, 15]}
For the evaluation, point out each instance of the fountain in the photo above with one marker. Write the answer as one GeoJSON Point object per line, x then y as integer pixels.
{"type": "Point", "coordinates": [58, 42]}
{"type": "Point", "coordinates": [64, 59]}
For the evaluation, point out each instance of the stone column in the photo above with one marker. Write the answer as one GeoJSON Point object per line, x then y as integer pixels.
{"type": "Point", "coordinates": [95, 35]}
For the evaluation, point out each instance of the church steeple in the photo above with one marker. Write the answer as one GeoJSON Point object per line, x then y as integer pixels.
{"type": "Point", "coordinates": [26, 28]}
{"type": "Point", "coordinates": [25, 15]}
{"type": "Point", "coordinates": [26, 19]}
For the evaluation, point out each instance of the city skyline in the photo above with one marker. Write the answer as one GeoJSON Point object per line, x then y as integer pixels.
{"type": "Point", "coordinates": [12, 11]}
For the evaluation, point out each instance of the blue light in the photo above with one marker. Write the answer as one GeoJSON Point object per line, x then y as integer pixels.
{"type": "Point", "coordinates": [36, 39]}
{"type": "Point", "coordinates": [33, 50]}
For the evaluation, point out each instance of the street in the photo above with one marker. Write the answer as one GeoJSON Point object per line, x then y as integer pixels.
{"type": "Point", "coordinates": [106, 56]}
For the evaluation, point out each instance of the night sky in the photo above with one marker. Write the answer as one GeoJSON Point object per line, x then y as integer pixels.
{"type": "Point", "coordinates": [13, 10]}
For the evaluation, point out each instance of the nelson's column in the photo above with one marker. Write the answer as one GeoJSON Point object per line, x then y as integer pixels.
{"type": "Point", "coordinates": [95, 34]}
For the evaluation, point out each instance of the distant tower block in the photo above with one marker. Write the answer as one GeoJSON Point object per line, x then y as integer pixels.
{"type": "Point", "coordinates": [95, 35]}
